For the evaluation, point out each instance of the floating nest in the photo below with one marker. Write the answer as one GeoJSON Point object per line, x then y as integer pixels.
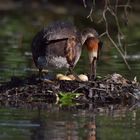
{"type": "Point", "coordinates": [110, 89]}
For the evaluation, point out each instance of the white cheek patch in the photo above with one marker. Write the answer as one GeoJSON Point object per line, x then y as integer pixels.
{"type": "Point", "coordinates": [92, 55]}
{"type": "Point", "coordinates": [95, 54]}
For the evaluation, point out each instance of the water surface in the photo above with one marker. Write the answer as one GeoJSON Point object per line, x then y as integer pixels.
{"type": "Point", "coordinates": [55, 123]}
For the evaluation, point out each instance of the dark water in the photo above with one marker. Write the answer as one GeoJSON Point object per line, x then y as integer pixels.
{"type": "Point", "coordinates": [51, 122]}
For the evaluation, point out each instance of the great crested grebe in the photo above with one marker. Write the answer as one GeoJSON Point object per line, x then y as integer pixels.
{"type": "Point", "coordinates": [60, 45]}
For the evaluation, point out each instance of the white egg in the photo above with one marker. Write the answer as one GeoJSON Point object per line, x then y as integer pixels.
{"type": "Point", "coordinates": [59, 75]}
{"type": "Point", "coordinates": [64, 78]}
{"type": "Point", "coordinates": [83, 77]}
{"type": "Point", "coordinates": [71, 77]}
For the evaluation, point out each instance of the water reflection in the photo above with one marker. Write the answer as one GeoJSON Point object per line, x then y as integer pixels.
{"type": "Point", "coordinates": [43, 122]}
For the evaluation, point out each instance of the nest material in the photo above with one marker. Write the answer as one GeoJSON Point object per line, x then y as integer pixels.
{"type": "Point", "coordinates": [111, 89]}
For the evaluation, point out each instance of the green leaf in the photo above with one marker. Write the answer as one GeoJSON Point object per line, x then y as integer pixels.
{"type": "Point", "coordinates": [66, 98]}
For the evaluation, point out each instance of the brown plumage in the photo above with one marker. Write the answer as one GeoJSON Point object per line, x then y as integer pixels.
{"type": "Point", "coordinates": [60, 44]}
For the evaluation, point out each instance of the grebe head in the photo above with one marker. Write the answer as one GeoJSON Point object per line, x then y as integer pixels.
{"type": "Point", "coordinates": [93, 45]}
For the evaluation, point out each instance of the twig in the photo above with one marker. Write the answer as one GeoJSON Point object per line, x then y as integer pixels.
{"type": "Point", "coordinates": [82, 86]}
{"type": "Point", "coordinates": [99, 89]}
{"type": "Point", "coordinates": [91, 10]}
{"type": "Point", "coordinates": [133, 95]}
{"type": "Point", "coordinates": [120, 35]}
{"type": "Point", "coordinates": [101, 35]}
{"type": "Point", "coordinates": [84, 2]}
{"type": "Point", "coordinates": [90, 14]}
{"type": "Point", "coordinates": [107, 30]}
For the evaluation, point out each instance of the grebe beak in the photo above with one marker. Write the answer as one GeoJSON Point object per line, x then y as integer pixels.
{"type": "Point", "coordinates": [93, 62]}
